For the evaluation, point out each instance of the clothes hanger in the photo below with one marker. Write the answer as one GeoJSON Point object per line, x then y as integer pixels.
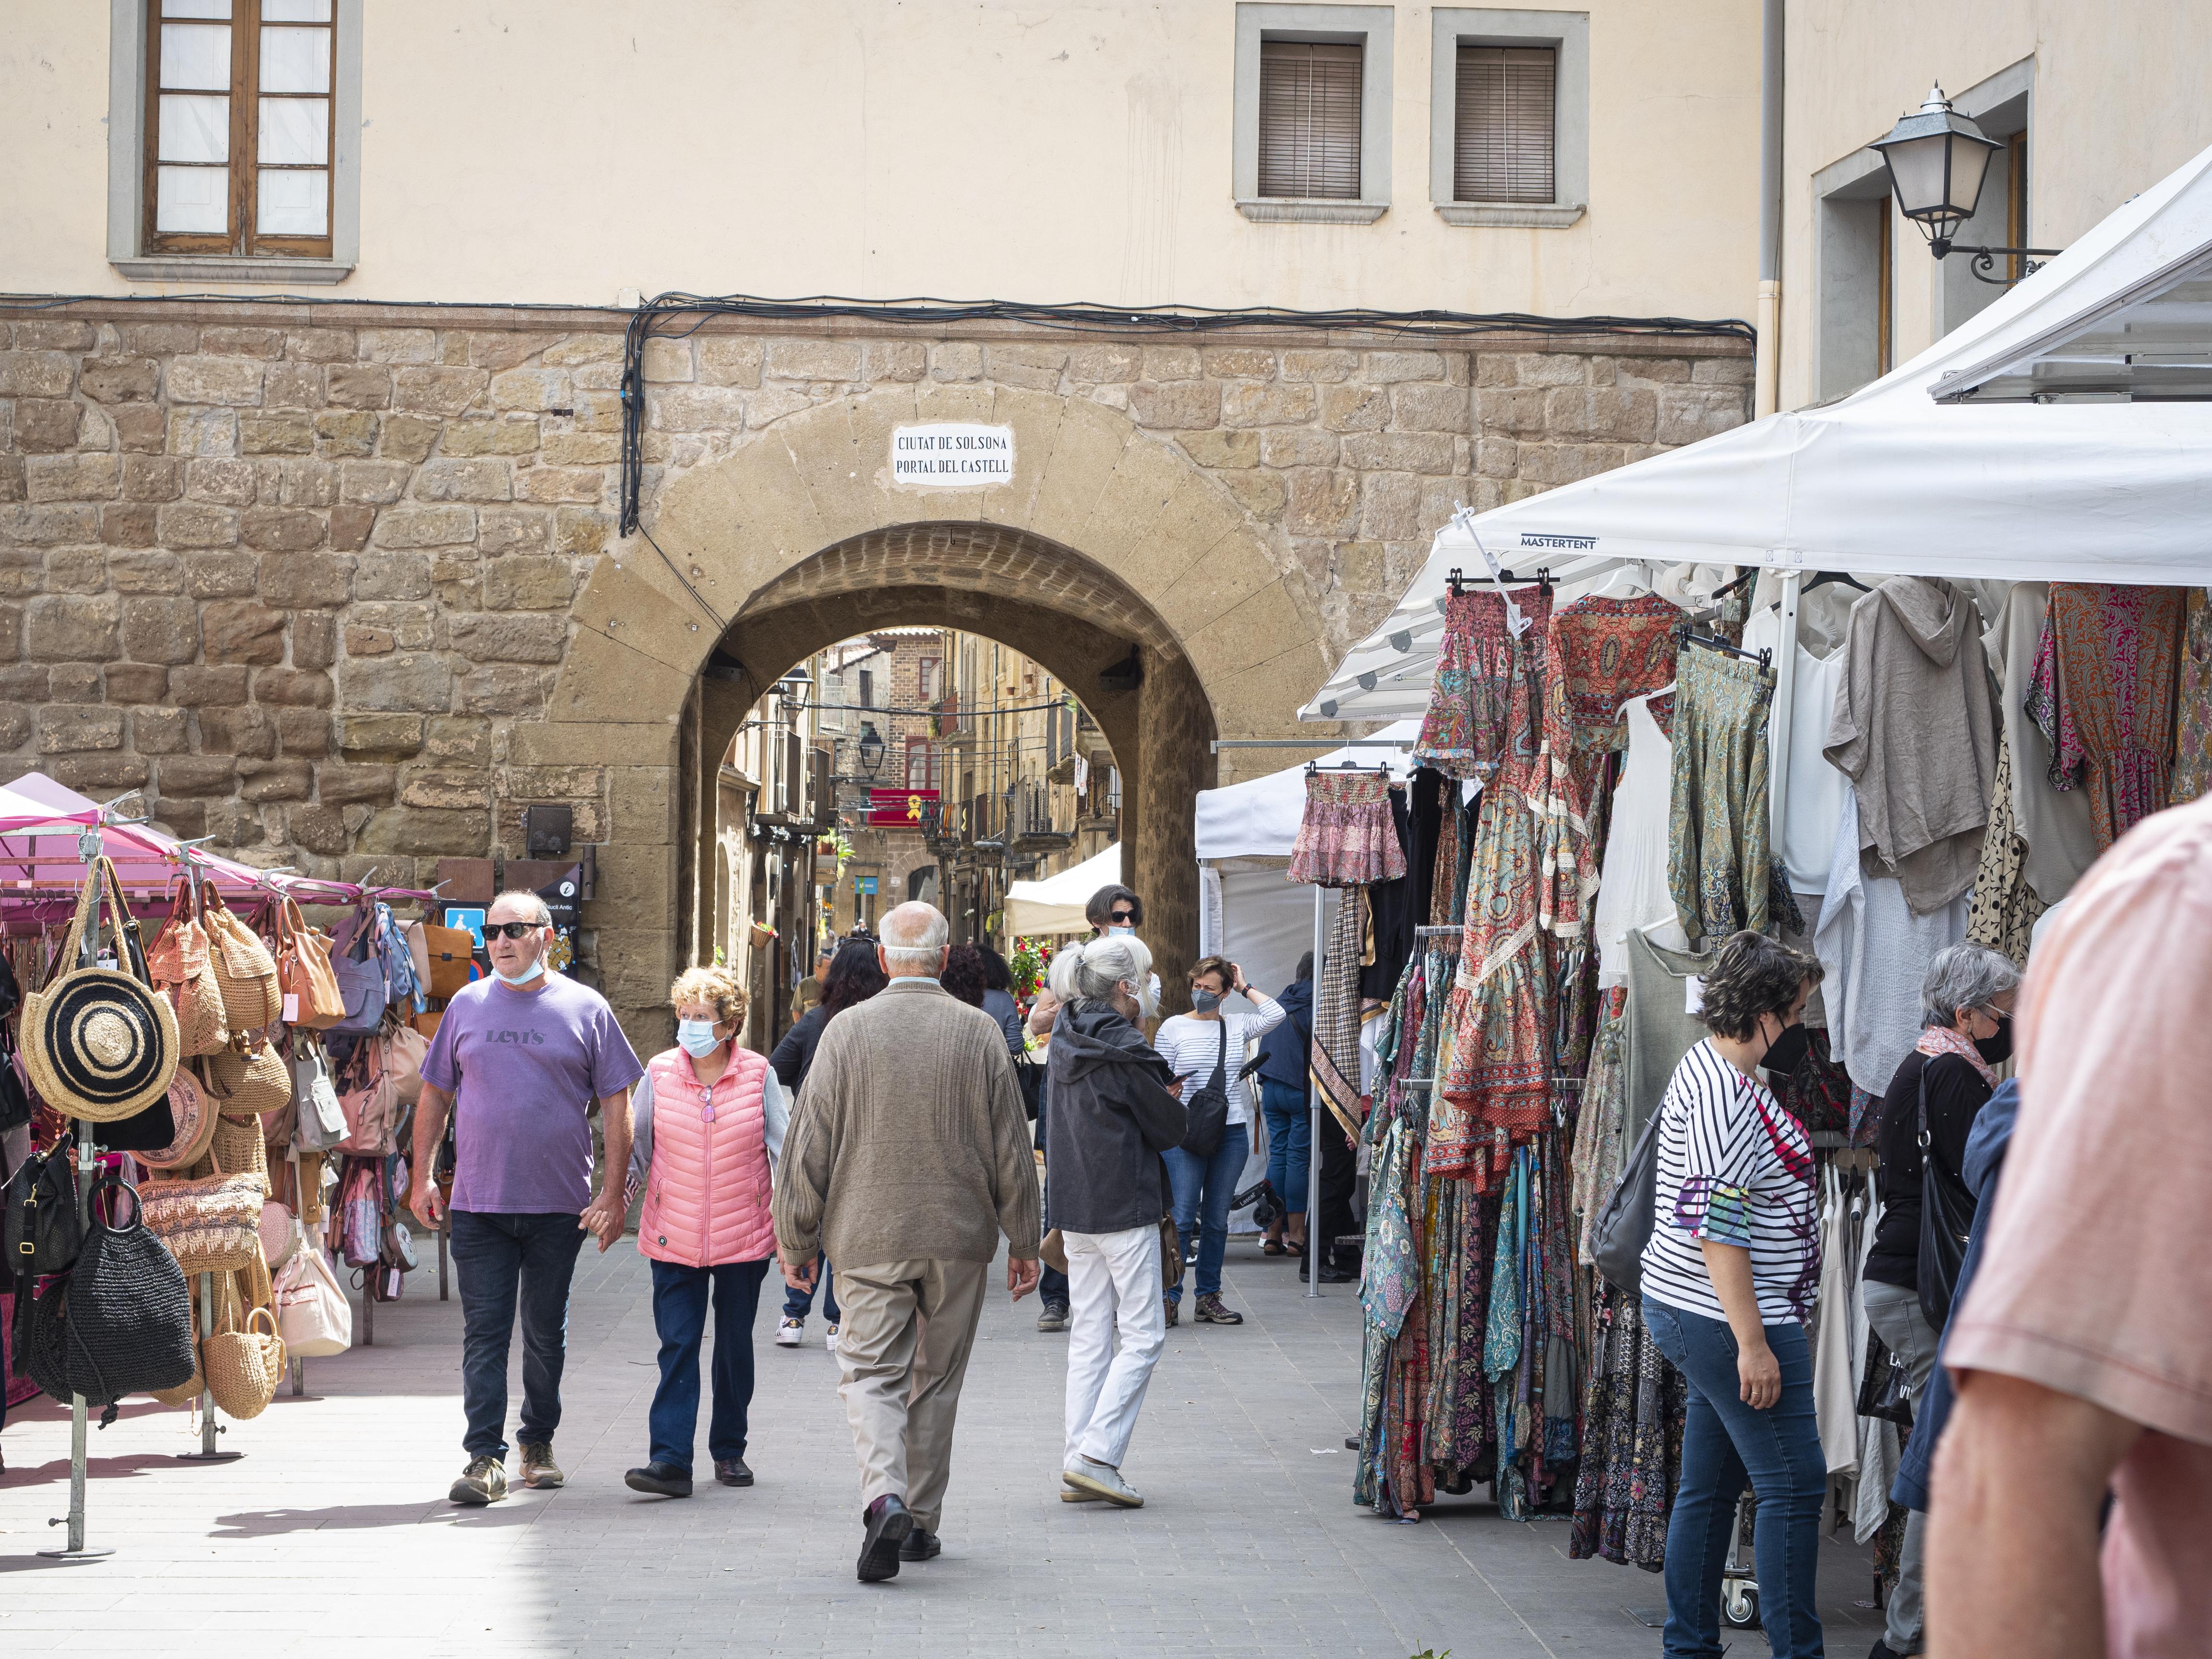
{"type": "Point", "coordinates": [1822, 578]}
{"type": "Point", "coordinates": [1623, 581]}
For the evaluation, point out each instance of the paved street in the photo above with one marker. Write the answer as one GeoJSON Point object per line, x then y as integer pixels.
{"type": "Point", "coordinates": [331, 1536]}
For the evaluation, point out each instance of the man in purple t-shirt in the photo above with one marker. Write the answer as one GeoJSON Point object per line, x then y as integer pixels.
{"type": "Point", "coordinates": [518, 1060]}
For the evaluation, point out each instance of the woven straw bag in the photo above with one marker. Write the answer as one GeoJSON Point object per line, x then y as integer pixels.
{"type": "Point", "coordinates": [99, 1043]}
{"type": "Point", "coordinates": [211, 1224]}
{"type": "Point", "coordinates": [185, 1392]}
{"type": "Point", "coordinates": [194, 1114]}
{"type": "Point", "coordinates": [245, 972]}
{"type": "Point", "coordinates": [238, 1148]}
{"type": "Point", "coordinates": [183, 972]}
{"type": "Point", "coordinates": [243, 1365]}
{"type": "Point", "coordinates": [250, 1079]}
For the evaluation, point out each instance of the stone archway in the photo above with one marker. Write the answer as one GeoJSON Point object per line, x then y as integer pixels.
{"type": "Point", "coordinates": [1105, 539]}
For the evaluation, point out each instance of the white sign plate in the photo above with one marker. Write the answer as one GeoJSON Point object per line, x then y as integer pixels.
{"type": "Point", "coordinates": [953, 455]}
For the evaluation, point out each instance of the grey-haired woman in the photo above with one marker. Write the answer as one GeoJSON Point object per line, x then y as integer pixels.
{"type": "Point", "coordinates": [1965, 1006]}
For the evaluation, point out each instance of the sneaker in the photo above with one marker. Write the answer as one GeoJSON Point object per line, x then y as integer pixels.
{"type": "Point", "coordinates": [1053, 1316]}
{"type": "Point", "coordinates": [1174, 1312]}
{"type": "Point", "coordinates": [660, 1481]}
{"type": "Point", "coordinates": [1102, 1480]}
{"type": "Point", "coordinates": [829, 1338]}
{"type": "Point", "coordinates": [1069, 1495]}
{"type": "Point", "coordinates": [1211, 1311]}
{"type": "Point", "coordinates": [922, 1546]}
{"type": "Point", "coordinates": [887, 1522]}
{"type": "Point", "coordinates": [733, 1472]}
{"type": "Point", "coordinates": [791, 1333]}
{"type": "Point", "coordinates": [538, 1468]}
{"type": "Point", "coordinates": [484, 1481]}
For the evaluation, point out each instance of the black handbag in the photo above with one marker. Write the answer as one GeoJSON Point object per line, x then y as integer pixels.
{"type": "Point", "coordinates": [128, 1317]}
{"type": "Point", "coordinates": [1624, 1226]}
{"type": "Point", "coordinates": [1885, 1388]}
{"type": "Point", "coordinates": [1946, 1220]}
{"type": "Point", "coordinates": [1206, 1114]}
{"type": "Point", "coordinates": [38, 1345]}
{"type": "Point", "coordinates": [1031, 1076]}
{"type": "Point", "coordinates": [44, 1231]}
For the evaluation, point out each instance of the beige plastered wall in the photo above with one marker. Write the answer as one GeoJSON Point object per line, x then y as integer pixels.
{"type": "Point", "coordinates": [568, 149]}
{"type": "Point", "coordinates": [2118, 101]}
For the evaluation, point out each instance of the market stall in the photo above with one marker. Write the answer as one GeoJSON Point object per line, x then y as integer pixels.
{"type": "Point", "coordinates": [1055, 905]}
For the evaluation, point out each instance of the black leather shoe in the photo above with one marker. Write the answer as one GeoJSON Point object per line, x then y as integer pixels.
{"type": "Point", "coordinates": [1330, 1274]}
{"type": "Point", "coordinates": [661, 1480]}
{"type": "Point", "coordinates": [733, 1472]}
{"type": "Point", "coordinates": [888, 1522]}
{"type": "Point", "coordinates": [920, 1545]}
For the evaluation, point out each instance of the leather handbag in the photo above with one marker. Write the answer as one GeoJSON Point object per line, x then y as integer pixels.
{"type": "Point", "coordinates": [44, 1231]}
{"type": "Point", "coordinates": [373, 1112]}
{"type": "Point", "coordinates": [442, 957]}
{"type": "Point", "coordinates": [1624, 1226]}
{"type": "Point", "coordinates": [318, 1123]}
{"type": "Point", "coordinates": [1947, 1221]}
{"type": "Point", "coordinates": [100, 1043]}
{"type": "Point", "coordinates": [183, 971]}
{"type": "Point", "coordinates": [128, 1316]}
{"type": "Point", "coordinates": [250, 1078]}
{"type": "Point", "coordinates": [243, 1365]}
{"type": "Point", "coordinates": [245, 972]}
{"type": "Point", "coordinates": [1206, 1114]}
{"type": "Point", "coordinates": [313, 1314]}
{"type": "Point", "coordinates": [211, 1224]}
{"type": "Point", "coordinates": [361, 981]}
{"type": "Point", "coordinates": [1170, 1254]}
{"type": "Point", "coordinates": [304, 974]}
{"type": "Point", "coordinates": [193, 1113]}
{"type": "Point", "coordinates": [403, 1050]}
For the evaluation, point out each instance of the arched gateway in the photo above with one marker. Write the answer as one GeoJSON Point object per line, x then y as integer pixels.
{"type": "Point", "coordinates": [1095, 544]}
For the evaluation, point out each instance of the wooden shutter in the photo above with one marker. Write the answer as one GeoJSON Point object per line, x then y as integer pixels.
{"type": "Point", "coordinates": [1504, 134]}
{"type": "Point", "coordinates": [1309, 119]}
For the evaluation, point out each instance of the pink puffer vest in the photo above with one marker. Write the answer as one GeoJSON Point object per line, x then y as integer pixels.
{"type": "Point", "coordinates": [707, 1193]}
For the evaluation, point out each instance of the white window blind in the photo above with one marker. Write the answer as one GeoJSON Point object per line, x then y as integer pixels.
{"type": "Point", "coordinates": [1504, 132]}
{"type": "Point", "coordinates": [1309, 119]}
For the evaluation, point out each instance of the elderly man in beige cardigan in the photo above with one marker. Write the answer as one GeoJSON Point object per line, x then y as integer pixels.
{"type": "Point", "coordinates": [907, 1156]}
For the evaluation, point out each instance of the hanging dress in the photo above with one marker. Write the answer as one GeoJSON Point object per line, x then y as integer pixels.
{"type": "Point", "coordinates": [2103, 693]}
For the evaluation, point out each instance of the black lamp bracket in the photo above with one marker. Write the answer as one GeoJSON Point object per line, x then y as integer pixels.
{"type": "Point", "coordinates": [1986, 259]}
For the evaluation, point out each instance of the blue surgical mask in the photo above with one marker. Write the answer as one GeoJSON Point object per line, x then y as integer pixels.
{"type": "Point", "coordinates": [505, 978]}
{"type": "Point", "coordinates": [1120, 928]}
{"type": "Point", "coordinates": [1205, 1002]}
{"type": "Point", "coordinates": [697, 1037]}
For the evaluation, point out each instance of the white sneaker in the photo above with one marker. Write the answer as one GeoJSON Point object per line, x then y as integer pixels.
{"type": "Point", "coordinates": [829, 1338]}
{"type": "Point", "coordinates": [1102, 1480]}
{"type": "Point", "coordinates": [790, 1333]}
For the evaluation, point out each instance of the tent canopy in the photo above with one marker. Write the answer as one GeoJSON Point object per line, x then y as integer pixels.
{"type": "Point", "coordinates": [1259, 817]}
{"type": "Point", "coordinates": [1055, 905]}
{"type": "Point", "coordinates": [1889, 481]}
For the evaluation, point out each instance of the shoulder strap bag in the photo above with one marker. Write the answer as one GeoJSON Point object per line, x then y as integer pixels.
{"type": "Point", "coordinates": [304, 974]}
{"type": "Point", "coordinates": [100, 1043]}
{"type": "Point", "coordinates": [1946, 1218]}
{"type": "Point", "coordinates": [1624, 1226]}
{"type": "Point", "coordinates": [130, 1317]}
{"type": "Point", "coordinates": [1207, 1112]}
{"type": "Point", "coordinates": [183, 972]}
{"type": "Point", "coordinates": [44, 1231]}
{"type": "Point", "coordinates": [245, 972]}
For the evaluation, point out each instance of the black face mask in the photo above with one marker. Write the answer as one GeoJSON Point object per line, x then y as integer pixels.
{"type": "Point", "coordinates": [1997, 1050]}
{"type": "Point", "coordinates": [1787, 1052]}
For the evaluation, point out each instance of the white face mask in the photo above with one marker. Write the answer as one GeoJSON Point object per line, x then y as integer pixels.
{"type": "Point", "coordinates": [1147, 1004]}
{"type": "Point", "coordinates": [697, 1037]}
{"type": "Point", "coordinates": [1119, 928]}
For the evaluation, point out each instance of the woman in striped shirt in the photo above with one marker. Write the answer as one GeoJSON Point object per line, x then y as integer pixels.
{"type": "Point", "coordinates": [1728, 1280]}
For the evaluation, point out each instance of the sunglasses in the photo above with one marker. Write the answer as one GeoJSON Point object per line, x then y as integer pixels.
{"type": "Point", "coordinates": [1120, 915]}
{"type": "Point", "coordinates": [511, 929]}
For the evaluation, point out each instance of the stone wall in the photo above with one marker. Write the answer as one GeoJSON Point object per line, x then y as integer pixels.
{"type": "Point", "coordinates": [308, 585]}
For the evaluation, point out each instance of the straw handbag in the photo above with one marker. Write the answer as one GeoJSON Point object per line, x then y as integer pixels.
{"type": "Point", "coordinates": [250, 1078]}
{"type": "Point", "coordinates": [245, 972]}
{"type": "Point", "coordinates": [194, 1114]}
{"type": "Point", "coordinates": [184, 973]}
{"type": "Point", "coordinates": [238, 1148]}
{"type": "Point", "coordinates": [99, 1043]}
{"type": "Point", "coordinates": [212, 1223]}
{"type": "Point", "coordinates": [304, 975]}
{"type": "Point", "coordinates": [243, 1365]}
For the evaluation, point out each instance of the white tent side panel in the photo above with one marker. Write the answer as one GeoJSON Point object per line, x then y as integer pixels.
{"type": "Point", "coordinates": [1055, 905]}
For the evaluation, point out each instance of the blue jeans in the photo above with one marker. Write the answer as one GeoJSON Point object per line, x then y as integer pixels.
{"type": "Point", "coordinates": [679, 1314]}
{"type": "Point", "coordinates": [1290, 1141]}
{"type": "Point", "coordinates": [1203, 1187]}
{"type": "Point", "coordinates": [798, 1304]}
{"type": "Point", "coordinates": [508, 1264]}
{"type": "Point", "coordinates": [1723, 1442]}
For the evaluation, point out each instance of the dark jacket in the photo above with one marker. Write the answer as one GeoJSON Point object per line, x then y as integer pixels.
{"type": "Point", "coordinates": [1956, 1094]}
{"type": "Point", "coordinates": [1284, 1051]}
{"type": "Point", "coordinates": [1111, 1118]}
{"type": "Point", "coordinates": [1980, 1167]}
{"type": "Point", "coordinates": [795, 1053]}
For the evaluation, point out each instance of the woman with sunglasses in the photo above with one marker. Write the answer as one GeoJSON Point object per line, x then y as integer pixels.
{"type": "Point", "coordinates": [708, 1120]}
{"type": "Point", "coordinates": [1967, 1003]}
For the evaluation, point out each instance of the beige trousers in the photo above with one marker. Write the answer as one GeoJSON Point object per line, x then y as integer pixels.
{"type": "Point", "coordinates": [902, 1346]}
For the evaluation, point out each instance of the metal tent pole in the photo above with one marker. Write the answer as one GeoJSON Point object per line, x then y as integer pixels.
{"type": "Point", "coordinates": [209, 1427]}
{"type": "Point", "coordinates": [1315, 1109]}
{"type": "Point", "coordinates": [1785, 705]}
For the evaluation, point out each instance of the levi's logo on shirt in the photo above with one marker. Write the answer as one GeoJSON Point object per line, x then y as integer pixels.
{"type": "Point", "coordinates": [535, 1039]}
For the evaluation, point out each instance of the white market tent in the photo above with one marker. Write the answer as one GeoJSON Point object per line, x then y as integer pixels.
{"type": "Point", "coordinates": [1055, 905]}
{"type": "Point", "coordinates": [1940, 468]}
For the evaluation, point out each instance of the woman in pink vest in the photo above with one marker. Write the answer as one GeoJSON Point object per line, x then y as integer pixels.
{"type": "Point", "coordinates": [709, 1118]}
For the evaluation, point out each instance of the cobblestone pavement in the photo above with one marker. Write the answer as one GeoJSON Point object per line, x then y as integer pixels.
{"type": "Point", "coordinates": [331, 1537]}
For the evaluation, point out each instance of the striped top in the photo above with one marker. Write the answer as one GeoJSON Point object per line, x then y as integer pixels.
{"type": "Point", "coordinates": [1190, 1045]}
{"type": "Point", "coordinates": [1736, 1168]}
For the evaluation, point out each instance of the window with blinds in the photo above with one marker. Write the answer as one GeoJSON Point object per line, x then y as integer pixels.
{"type": "Point", "coordinates": [1309, 119]}
{"type": "Point", "coordinates": [1504, 132]}
{"type": "Point", "coordinates": [238, 126]}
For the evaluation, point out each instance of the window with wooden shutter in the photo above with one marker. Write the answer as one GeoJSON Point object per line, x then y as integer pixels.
{"type": "Point", "coordinates": [238, 126]}
{"type": "Point", "coordinates": [1309, 119]}
{"type": "Point", "coordinates": [1504, 132]}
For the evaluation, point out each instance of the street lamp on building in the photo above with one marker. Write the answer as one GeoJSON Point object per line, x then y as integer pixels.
{"type": "Point", "coordinates": [871, 749]}
{"type": "Point", "coordinates": [1938, 161]}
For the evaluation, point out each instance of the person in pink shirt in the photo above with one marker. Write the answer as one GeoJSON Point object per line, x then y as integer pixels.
{"type": "Point", "coordinates": [2083, 1354]}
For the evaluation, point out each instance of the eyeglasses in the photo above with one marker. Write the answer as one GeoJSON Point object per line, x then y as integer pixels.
{"type": "Point", "coordinates": [1120, 915]}
{"type": "Point", "coordinates": [511, 929]}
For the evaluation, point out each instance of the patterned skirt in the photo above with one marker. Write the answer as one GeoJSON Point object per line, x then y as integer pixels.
{"type": "Point", "coordinates": [1481, 705]}
{"type": "Point", "coordinates": [1719, 866]}
{"type": "Point", "coordinates": [1347, 837]}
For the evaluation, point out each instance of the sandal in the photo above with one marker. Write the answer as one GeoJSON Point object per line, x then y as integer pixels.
{"type": "Point", "coordinates": [1272, 1247]}
{"type": "Point", "coordinates": [1292, 1247]}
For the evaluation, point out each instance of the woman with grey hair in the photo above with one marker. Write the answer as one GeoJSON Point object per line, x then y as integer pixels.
{"type": "Point", "coordinates": [1967, 1003]}
{"type": "Point", "coordinates": [1112, 1116]}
